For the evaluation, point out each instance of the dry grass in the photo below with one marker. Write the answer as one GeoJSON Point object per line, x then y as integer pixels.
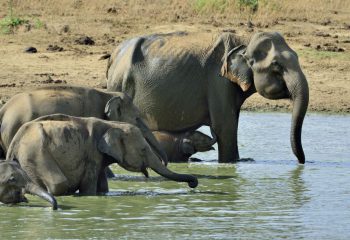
{"type": "Point", "coordinates": [109, 22]}
{"type": "Point", "coordinates": [268, 11]}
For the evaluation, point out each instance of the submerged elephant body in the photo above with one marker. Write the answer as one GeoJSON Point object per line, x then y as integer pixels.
{"type": "Point", "coordinates": [73, 101]}
{"type": "Point", "coordinates": [179, 147]}
{"type": "Point", "coordinates": [180, 82]}
{"type": "Point", "coordinates": [61, 154]}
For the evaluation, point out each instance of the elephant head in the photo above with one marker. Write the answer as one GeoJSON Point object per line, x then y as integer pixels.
{"type": "Point", "coordinates": [196, 142]}
{"type": "Point", "coordinates": [130, 150]}
{"type": "Point", "coordinates": [14, 183]}
{"type": "Point", "coordinates": [277, 75]}
{"type": "Point", "coordinates": [236, 69]}
{"type": "Point", "coordinates": [121, 108]}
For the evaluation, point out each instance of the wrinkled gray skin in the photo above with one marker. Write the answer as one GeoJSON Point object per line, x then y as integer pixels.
{"type": "Point", "coordinates": [178, 87]}
{"type": "Point", "coordinates": [60, 154]}
{"type": "Point", "coordinates": [74, 101]}
{"type": "Point", "coordinates": [179, 147]}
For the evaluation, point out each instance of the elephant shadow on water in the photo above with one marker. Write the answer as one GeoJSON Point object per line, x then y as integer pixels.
{"type": "Point", "coordinates": [128, 178]}
{"type": "Point", "coordinates": [162, 193]}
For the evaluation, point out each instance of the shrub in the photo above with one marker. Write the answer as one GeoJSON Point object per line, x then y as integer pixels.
{"type": "Point", "coordinates": [8, 23]}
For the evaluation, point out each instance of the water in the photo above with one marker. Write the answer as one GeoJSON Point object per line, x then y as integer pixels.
{"type": "Point", "coordinates": [271, 198]}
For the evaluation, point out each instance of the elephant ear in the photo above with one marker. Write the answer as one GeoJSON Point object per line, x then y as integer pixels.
{"type": "Point", "coordinates": [224, 69]}
{"type": "Point", "coordinates": [111, 144]}
{"type": "Point", "coordinates": [113, 108]}
{"type": "Point", "coordinates": [239, 71]}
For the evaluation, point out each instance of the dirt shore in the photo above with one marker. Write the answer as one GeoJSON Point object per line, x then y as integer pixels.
{"type": "Point", "coordinates": [65, 56]}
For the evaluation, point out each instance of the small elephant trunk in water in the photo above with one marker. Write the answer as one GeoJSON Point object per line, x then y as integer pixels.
{"type": "Point", "coordinates": [165, 172]}
{"type": "Point", "coordinates": [33, 189]}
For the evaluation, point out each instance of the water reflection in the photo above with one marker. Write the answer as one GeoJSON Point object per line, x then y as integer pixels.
{"type": "Point", "coordinates": [298, 187]}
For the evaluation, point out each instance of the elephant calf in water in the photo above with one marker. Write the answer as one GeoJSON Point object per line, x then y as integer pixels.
{"type": "Point", "coordinates": [59, 154]}
{"type": "Point", "coordinates": [179, 147]}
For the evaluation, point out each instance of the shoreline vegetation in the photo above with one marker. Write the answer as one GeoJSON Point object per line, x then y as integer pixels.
{"type": "Point", "coordinates": [70, 36]}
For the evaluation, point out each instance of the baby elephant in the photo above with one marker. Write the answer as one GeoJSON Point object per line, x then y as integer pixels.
{"type": "Point", "coordinates": [180, 146]}
{"type": "Point", "coordinates": [61, 154]}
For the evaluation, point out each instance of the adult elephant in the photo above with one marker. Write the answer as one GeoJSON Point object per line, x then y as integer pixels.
{"type": "Point", "coordinates": [180, 81]}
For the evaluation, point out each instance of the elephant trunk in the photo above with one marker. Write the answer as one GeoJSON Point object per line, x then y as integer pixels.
{"type": "Point", "coordinates": [299, 92]}
{"type": "Point", "coordinates": [152, 141]}
{"type": "Point", "coordinates": [33, 189]}
{"type": "Point", "coordinates": [165, 172]}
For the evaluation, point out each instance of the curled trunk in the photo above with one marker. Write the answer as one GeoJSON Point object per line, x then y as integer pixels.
{"type": "Point", "coordinates": [165, 172]}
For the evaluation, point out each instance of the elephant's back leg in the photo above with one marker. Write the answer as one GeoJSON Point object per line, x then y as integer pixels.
{"type": "Point", "coordinates": [37, 160]}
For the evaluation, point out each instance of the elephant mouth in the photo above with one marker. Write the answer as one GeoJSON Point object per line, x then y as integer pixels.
{"type": "Point", "coordinates": [16, 197]}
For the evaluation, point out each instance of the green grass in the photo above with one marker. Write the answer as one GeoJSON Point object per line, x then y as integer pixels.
{"type": "Point", "coordinates": [316, 54]}
{"type": "Point", "coordinates": [7, 24]}
{"type": "Point", "coordinates": [210, 5]}
{"type": "Point", "coordinates": [251, 4]}
{"type": "Point", "coordinates": [249, 7]}
{"type": "Point", "coordinates": [38, 23]}
{"type": "Point", "coordinates": [10, 22]}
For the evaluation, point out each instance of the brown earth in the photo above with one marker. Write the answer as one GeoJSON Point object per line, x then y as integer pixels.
{"type": "Point", "coordinates": [58, 30]}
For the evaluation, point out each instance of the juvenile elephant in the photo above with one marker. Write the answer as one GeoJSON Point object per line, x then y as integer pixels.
{"type": "Point", "coordinates": [179, 147]}
{"type": "Point", "coordinates": [59, 154]}
{"type": "Point", "coordinates": [181, 81]}
{"type": "Point", "coordinates": [73, 101]}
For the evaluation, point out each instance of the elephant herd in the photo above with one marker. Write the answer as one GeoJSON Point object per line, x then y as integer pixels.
{"type": "Point", "coordinates": [160, 88]}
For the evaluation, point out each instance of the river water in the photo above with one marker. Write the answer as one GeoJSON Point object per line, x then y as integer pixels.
{"type": "Point", "coordinates": [270, 198]}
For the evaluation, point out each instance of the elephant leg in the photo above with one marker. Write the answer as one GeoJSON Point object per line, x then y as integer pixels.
{"type": "Point", "coordinates": [88, 183]}
{"type": "Point", "coordinates": [225, 127]}
{"type": "Point", "coordinates": [46, 171]}
{"type": "Point", "coordinates": [102, 183]}
{"type": "Point", "coordinates": [227, 143]}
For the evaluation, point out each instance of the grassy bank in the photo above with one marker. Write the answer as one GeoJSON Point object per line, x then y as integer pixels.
{"type": "Point", "coordinates": [259, 10]}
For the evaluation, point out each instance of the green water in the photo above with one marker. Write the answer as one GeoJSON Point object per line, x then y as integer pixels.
{"type": "Point", "coordinates": [271, 198]}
